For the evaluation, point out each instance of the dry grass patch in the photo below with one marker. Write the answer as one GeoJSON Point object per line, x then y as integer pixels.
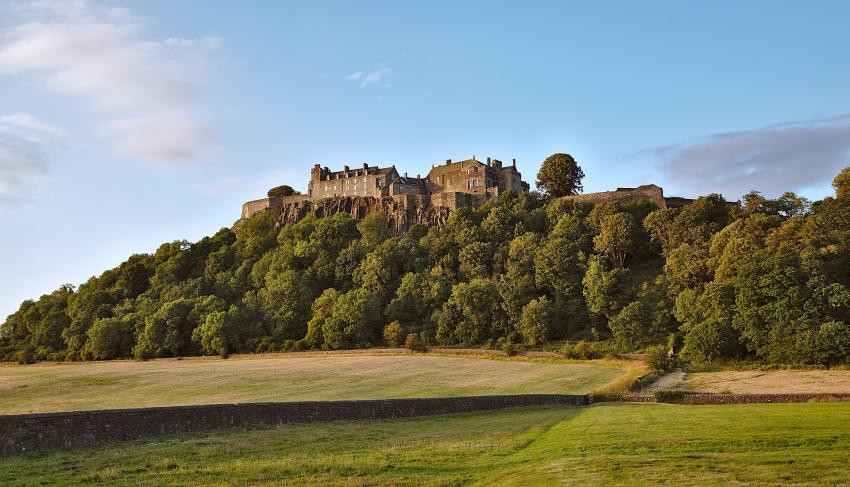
{"type": "Point", "coordinates": [758, 381]}
{"type": "Point", "coordinates": [288, 377]}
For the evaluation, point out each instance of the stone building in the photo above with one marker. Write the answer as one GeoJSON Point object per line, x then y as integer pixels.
{"type": "Point", "coordinates": [366, 181]}
{"type": "Point", "coordinates": [407, 200]}
{"type": "Point", "coordinates": [471, 176]}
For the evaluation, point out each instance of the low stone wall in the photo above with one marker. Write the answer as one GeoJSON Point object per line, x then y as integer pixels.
{"type": "Point", "coordinates": [21, 433]}
{"type": "Point", "coordinates": [699, 398]}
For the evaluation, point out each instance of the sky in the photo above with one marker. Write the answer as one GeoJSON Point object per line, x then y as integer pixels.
{"type": "Point", "coordinates": [126, 124]}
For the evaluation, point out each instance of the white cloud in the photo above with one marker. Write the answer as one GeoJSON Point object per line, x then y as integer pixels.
{"type": "Point", "coordinates": [141, 88]}
{"type": "Point", "coordinates": [784, 157]}
{"type": "Point", "coordinates": [366, 79]}
{"type": "Point", "coordinates": [26, 147]}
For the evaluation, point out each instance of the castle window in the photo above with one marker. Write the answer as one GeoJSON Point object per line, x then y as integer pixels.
{"type": "Point", "coordinates": [472, 183]}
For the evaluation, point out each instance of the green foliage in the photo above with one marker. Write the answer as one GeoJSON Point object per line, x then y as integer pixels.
{"type": "Point", "coordinates": [392, 334]}
{"type": "Point", "coordinates": [769, 282]}
{"type": "Point", "coordinates": [284, 190]}
{"type": "Point", "coordinates": [471, 315]}
{"type": "Point", "coordinates": [538, 319]}
{"type": "Point", "coordinates": [841, 184]}
{"type": "Point", "coordinates": [670, 397]}
{"type": "Point", "coordinates": [110, 338]}
{"type": "Point", "coordinates": [656, 359]}
{"type": "Point", "coordinates": [580, 350]}
{"type": "Point", "coordinates": [616, 237]}
{"type": "Point", "coordinates": [416, 342]}
{"type": "Point", "coordinates": [560, 175]}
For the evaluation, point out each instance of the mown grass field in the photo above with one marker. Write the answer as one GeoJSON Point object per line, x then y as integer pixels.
{"type": "Point", "coordinates": [603, 444]}
{"type": "Point", "coordinates": [293, 377]}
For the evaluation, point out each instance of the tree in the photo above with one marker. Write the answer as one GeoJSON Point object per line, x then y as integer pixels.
{"type": "Point", "coordinates": [605, 291]}
{"type": "Point", "coordinates": [537, 320]}
{"type": "Point", "coordinates": [471, 315]}
{"type": "Point", "coordinates": [841, 184]}
{"type": "Point", "coordinates": [560, 175]}
{"type": "Point", "coordinates": [284, 190]}
{"type": "Point", "coordinates": [630, 326]}
{"type": "Point", "coordinates": [374, 229]}
{"type": "Point", "coordinates": [217, 335]}
{"type": "Point", "coordinates": [109, 338]}
{"type": "Point", "coordinates": [616, 237]}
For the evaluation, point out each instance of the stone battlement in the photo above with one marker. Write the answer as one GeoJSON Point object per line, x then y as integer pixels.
{"type": "Point", "coordinates": [647, 192]}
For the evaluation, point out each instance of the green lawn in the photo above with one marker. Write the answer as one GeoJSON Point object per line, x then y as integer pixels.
{"type": "Point", "coordinates": [289, 377]}
{"type": "Point", "coordinates": [604, 444]}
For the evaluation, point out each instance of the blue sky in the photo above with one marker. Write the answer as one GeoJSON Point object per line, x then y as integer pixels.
{"type": "Point", "coordinates": [127, 124]}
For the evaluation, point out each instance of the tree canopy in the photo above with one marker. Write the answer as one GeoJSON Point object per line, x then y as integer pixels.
{"type": "Point", "coordinates": [768, 281]}
{"type": "Point", "coordinates": [560, 175]}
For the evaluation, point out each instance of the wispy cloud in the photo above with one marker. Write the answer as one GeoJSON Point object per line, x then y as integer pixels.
{"type": "Point", "coordinates": [146, 91]}
{"type": "Point", "coordinates": [26, 146]}
{"type": "Point", "coordinates": [366, 79]}
{"type": "Point", "coordinates": [784, 157]}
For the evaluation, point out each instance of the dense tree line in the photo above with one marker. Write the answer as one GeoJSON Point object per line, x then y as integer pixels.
{"type": "Point", "coordinates": [769, 280]}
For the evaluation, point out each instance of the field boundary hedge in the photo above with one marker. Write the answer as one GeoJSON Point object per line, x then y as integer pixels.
{"type": "Point", "coordinates": [21, 433]}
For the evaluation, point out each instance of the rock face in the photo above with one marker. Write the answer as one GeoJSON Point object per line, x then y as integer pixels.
{"type": "Point", "coordinates": [400, 213]}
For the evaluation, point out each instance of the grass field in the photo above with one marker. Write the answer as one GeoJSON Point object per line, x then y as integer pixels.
{"type": "Point", "coordinates": [757, 381]}
{"type": "Point", "coordinates": [116, 384]}
{"type": "Point", "coordinates": [603, 444]}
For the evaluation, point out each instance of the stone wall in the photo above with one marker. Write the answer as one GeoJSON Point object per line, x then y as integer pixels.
{"type": "Point", "coordinates": [23, 433]}
{"type": "Point", "coordinates": [648, 192]}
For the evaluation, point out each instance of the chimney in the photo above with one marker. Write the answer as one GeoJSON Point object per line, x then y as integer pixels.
{"type": "Point", "coordinates": [514, 161]}
{"type": "Point", "coordinates": [405, 174]}
{"type": "Point", "coordinates": [488, 161]}
{"type": "Point", "coordinates": [418, 176]}
{"type": "Point", "coordinates": [448, 161]}
{"type": "Point", "coordinates": [345, 168]}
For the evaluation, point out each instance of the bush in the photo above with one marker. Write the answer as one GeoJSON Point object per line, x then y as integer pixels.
{"type": "Point", "coordinates": [671, 397]}
{"type": "Point", "coordinates": [509, 348]}
{"type": "Point", "coordinates": [25, 356]}
{"type": "Point", "coordinates": [393, 334]}
{"type": "Point", "coordinates": [581, 350]}
{"type": "Point", "coordinates": [656, 359]}
{"type": "Point", "coordinates": [416, 343]}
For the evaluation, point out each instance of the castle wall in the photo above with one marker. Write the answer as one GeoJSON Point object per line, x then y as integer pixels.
{"type": "Point", "coordinates": [649, 192]}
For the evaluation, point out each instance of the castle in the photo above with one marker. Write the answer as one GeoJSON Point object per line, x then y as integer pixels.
{"type": "Point", "coordinates": [424, 200]}
{"type": "Point", "coordinates": [416, 200]}
{"type": "Point", "coordinates": [470, 177]}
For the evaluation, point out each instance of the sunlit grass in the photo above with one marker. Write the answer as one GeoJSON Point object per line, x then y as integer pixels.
{"type": "Point", "coordinates": [603, 444]}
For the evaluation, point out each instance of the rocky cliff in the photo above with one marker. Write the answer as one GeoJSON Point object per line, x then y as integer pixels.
{"type": "Point", "coordinates": [401, 213]}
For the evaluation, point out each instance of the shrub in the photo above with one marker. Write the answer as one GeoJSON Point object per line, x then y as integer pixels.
{"type": "Point", "coordinates": [671, 397]}
{"type": "Point", "coordinates": [392, 334]}
{"type": "Point", "coordinates": [415, 343]}
{"type": "Point", "coordinates": [25, 356]}
{"type": "Point", "coordinates": [656, 359]}
{"type": "Point", "coordinates": [509, 348]}
{"type": "Point", "coordinates": [581, 350]}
